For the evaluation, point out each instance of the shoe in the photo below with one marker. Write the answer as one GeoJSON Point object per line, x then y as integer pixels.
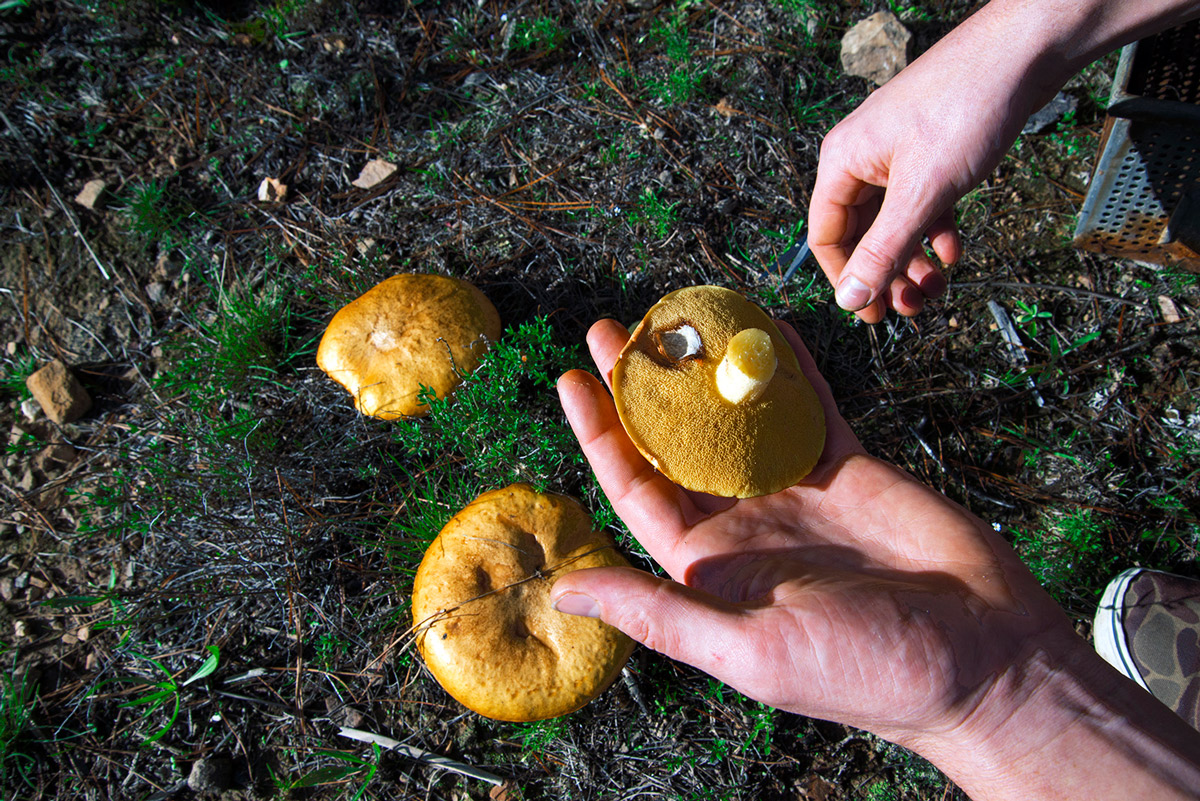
{"type": "Point", "coordinates": [1148, 627]}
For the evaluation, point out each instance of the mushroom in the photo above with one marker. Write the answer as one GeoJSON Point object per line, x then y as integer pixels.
{"type": "Point", "coordinates": [408, 332]}
{"type": "Point", "coordinates": [485, 624]}
{"type": "Point", "coordinates": [712, 395]}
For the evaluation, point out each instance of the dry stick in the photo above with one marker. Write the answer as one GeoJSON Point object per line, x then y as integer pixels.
{"type": "Point", "coordinates": [427, 757]}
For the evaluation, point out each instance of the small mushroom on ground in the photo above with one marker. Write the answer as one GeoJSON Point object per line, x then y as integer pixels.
{"type": "Point", "coordinates": [485, 623]}
{"type": "Point", "coordinates": [408, 332]}
{"type": "Point", "coordinates": [712, 395]}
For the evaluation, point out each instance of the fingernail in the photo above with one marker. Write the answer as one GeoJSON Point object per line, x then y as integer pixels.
{"type": "Point", "coordinates": [574, 603]}
{"type": "Point", "coordinates": [853, 294]}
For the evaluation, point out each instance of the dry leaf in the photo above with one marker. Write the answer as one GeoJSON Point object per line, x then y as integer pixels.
{"type": "Point", "coordinates": [724, 108]}
{"type": "Point", "coordinates": [375, 172]}
{"type": "Point", "coordinates": [272, 191]}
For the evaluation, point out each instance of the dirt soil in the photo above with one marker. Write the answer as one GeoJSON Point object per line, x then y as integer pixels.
{"type": "Point", "coordinates": [222, 501]}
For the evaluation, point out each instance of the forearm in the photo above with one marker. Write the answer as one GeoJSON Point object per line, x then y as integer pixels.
{"type": "Point", "coordinates": [1054, 39]}
{"type": "Point", "coordinates": [1065, 725]}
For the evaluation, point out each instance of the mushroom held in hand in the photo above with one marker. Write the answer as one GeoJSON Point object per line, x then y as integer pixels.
{"type": "Point", "coordinates": [481, 605]}
{"type": "Point", "coordinates": [410, 331]}
{"type": "Point", "coordinates": [712, 395]}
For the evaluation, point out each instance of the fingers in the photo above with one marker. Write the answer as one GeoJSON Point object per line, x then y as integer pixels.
{"type": "Point", "coordinates": [683, 623]}
{"type": "Point", "coordinates": [655, 510]}
{"type": "Point", "coordinates": [605, 340]}
{"type": "Point", "coordinates": [867, 238]}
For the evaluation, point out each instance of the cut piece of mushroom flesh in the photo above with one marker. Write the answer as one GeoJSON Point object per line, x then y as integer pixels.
{"type": "Point", "coordinates": [747, 367]}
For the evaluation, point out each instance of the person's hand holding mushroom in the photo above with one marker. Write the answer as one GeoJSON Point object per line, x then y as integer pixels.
{"type": "Point", "coordinates": [865, 597]}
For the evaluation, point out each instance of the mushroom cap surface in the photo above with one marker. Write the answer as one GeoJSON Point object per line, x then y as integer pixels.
{"type": "Point", "coordinates": [673, 412]}
{"type": "Point", "coordinates": [481, 606]}
{"type": "Point", "coordinates": [409, 331]}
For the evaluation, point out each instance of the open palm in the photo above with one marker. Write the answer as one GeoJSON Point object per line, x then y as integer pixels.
{"type": "Point", "coordinates": [859, 595]}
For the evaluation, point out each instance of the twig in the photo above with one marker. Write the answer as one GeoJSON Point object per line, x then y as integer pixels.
{"type": "Point", "coordinates": [427, 757]}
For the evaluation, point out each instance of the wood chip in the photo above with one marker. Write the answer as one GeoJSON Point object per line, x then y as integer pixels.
{"type": "Point", "coordinates": [375, 172]}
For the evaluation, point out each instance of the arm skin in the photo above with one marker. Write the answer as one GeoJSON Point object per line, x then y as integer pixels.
{"type": "Point", "coordinates": [863, 596]}
{"type": "Point", "coordinates": [890, 173]}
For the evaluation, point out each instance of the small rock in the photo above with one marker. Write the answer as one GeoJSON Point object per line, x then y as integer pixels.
{"type": "Point", "coordinates": [59, 393]}
{"type": "Point", "coordinates": [83, 633]}
{"type": "Point", "coordinates": [53, 457]}
{"type": "Point", "coordinates": [1170, 311]}
{"type": "Point", "coordinates": [7, 590]}
{"type": "Point", "coordinates": [1052, 112]}
{"type": "Point", "coordinates": [341, 714]}
{"type": "Point", "coordinates": [69, 639]}
{"type": "Point", "coordinates": [89, 196]}
{"type": "Point", "coordinates": [20, 629]}
{"type": "Point", "coordinates": [876, 48]}
{"type": "Point", "coordinates": [210, 775]}
{"type": "Point", "coordinates": [156, 291]}
{"type": "Point", "coordinates": [272, 190]}
{"type": "Point", "coordinates": [30, 408]}
{"type": "Point", "coordinates": [375, 172]}
{"type": "Point", "coordinates": [28, 481]}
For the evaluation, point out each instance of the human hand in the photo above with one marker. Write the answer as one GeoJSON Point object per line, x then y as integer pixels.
{"type": "Point", "coordinates": [859, 595]}
{"type": "Point", "coordinates": [890, 173]}
{"type": "Point", "coordinates": [862, 596]}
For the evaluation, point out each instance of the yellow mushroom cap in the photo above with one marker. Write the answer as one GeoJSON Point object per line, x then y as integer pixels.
{"type": "Point", "coordinates": [481, 606]}
{"type": "Point", "coordinates": [409, 331]}
{"type": "Point", "coordinates": [666, 391]}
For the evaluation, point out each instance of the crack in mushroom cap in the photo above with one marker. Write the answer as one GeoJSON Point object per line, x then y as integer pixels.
{"type": "Point", "coordinates": [675, 415]}
{"type": "Point", "coordinates": [409, 331]}
{"type": "Point", "coordinates": [481, 605]}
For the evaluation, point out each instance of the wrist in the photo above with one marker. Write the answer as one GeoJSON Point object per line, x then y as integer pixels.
{"type": "Point", "coordinates": [1063, 724]}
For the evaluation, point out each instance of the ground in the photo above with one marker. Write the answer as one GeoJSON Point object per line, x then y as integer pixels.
{"type": "Point", "coordinates": [216, 572]}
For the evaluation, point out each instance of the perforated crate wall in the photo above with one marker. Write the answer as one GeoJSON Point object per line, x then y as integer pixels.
{"type": "Point", "coordinates": [1142, 199]}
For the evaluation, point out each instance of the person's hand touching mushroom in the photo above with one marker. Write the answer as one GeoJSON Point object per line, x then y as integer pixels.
{"type": "Point", "coordinates": [862, 596]}
{"type": "Point", "coordinates": [890, 173]}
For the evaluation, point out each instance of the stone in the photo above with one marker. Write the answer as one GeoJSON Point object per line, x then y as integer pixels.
{"type": "Point", "coordinates": [53, 457]}
{"type": "Point", "coordinates": [30, 409]}
{"type": "Point", "coordinates": [1061, 105]}
{"type": "Point", "coordinates": [156, 291]}
{"type": "Point", "coordinates": [89, 196]}
{"type": "Point", "coordinates": [59, 393]}
{"type": "Point", "coordinates": [374, 172]}
{"type": "Point", "coordinates": [1170, 312]}
{"type": "Point", "coordinates": [7, 590]}
{"type": "Point", "coordinates": [210, 775]}
{"type": "Point", "coordinates": [876, 48]}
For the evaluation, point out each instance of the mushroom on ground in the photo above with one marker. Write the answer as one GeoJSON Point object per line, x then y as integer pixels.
{"type": "Point", "coordinates": [712, 395]}
{"type": "Point", "coordinates": [485, 623]}
{"type": "Point", "coordinates": [408, 332]}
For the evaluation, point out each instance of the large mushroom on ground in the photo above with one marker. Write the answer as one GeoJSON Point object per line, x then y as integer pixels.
{"type": "Point", "coordinates": [485, 623]}
{"type": "Point", "coordinates": [712, 395]}
{"type": "Point", "coordinates": [408, 332]}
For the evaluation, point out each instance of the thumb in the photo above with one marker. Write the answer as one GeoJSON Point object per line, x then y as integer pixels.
{"type": "Point", "coordinates": [683, 623]}
{"type": "Point", "coordinates": [885, 250]}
